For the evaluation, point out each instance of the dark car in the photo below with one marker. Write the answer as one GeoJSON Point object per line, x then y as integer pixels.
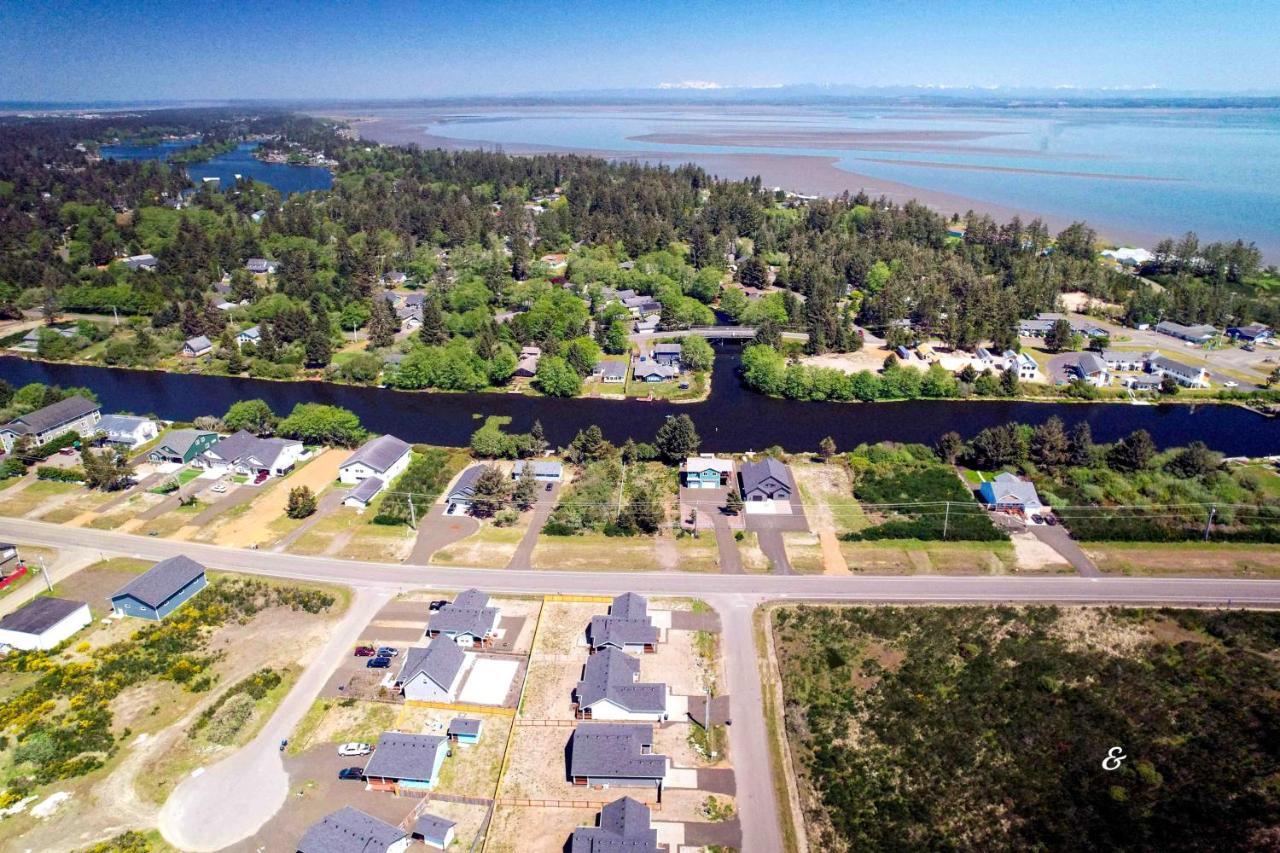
{"type": "Point", "coordinates": [1035, 519]}
{"type": "Point", "coordinates": [1050, 520]}
{"type": "Point", "coordinates": [366, 652]}
{"type": "Point", "coordinates": [378, 663]}
{"type": "Point", "coordinates": [549, 486]}
{"type": "Point", "coordinates": [353, 773]}
{"type": "Point", "coordinates": [387, 651]}
{"type": "Point", "coordinates": [436, 605]}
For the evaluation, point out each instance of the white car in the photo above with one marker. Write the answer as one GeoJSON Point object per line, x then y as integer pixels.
{"type": "Point", "coordinates": [218, 487]}
{"type": "Point", "coordinates": [1231, 384]}
{"type": "Point", "coordinates": [349, 749]}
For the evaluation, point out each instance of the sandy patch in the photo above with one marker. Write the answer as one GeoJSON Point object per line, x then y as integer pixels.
{"type": "Point", "coordinates": [1080, 302]}
{"type": "Point", "coordinates": [1033, 555]}
{"type": "Point", "coordinates": [252, 527]}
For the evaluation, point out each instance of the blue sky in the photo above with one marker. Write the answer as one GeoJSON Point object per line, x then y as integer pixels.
{"type": "Point", "coordinates": [133, 49]}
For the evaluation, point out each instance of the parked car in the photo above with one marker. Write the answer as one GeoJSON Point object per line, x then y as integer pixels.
{"type": "Point", "coordinates": [436, 605]}
{"type": "Point", "coordinates": [1231, 383]}
{"type": "Point", "coordinates": [387, 651]}
{"type": "Point", "coordinates": [261, 478]}
{"type": "Point", "coordinates": [355, 773]}
{"type": "Point", "coordinates": [549, 487]}
{"type": "Point", "coordinates": [452, 510]}
{"type": "Point", "coordinates": [366, 652]}
{"type": "Point", "coordinates": [378, 663]}
{"type": "Point", "coordinates": [1035, 519]}
{"type": "Point", "coordinates": [218, 487]}
{"type": "Point", "coordinates": [1050, 520]}
{"type": "Point", "coordinates": [349, 749]}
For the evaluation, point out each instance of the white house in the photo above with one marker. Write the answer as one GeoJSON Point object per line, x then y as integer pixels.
{"type": "Point", "coordinates": [1028, 370]}
{"type": "Point", "coordinates": [245, 453]}
{"type": "Point", "coordinates": [433, 674]}
{"type": "Point", "coordinates": [611, 689]}
{"type": "Point", "coordinates": [1119, 361]}
{"type": "Point", "coordinates": [1184, 374]}
{"type": "Point", "coordinates": [43, 623]}
{"type": "Point", "coordinates": [1092, 368]}
{"type": "Point", "coordinates": [384, 457]}
{"type": "Point", "coordinates": [251, 335]}
{"type": "Point", "coordinates": [127, 431]}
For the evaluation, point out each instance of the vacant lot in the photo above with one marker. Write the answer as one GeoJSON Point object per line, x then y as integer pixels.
{"type": "Point", "coordinates": [911, 556]}
{"type": "Point", "coordinates": [345, 533]}
{"type": "Point", "coordinates": [995, 721]}
{"type": "Point", "coordinates": [491, 546]}
{"type": "Point", "coordinates": [1216, 559]}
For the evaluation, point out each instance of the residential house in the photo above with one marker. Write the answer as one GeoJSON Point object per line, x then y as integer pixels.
{"type": "Point", "coordinates": [246, 453]}
{"type": "Point", "coordinates": [140, 262]}
{"type": "Point", "coordinates": [127, 431]}
{"type": "Point", "coordinates": [74, 414]}
{"type": "Point", "coordinates": [546, 471]}
{"type": "Point", "coordinates": [394, 279]}
{"type": "Point", "coordinates": [985, 356]}
{"type": "Point", "coordinates": [1142, 383]}
{"type": "Point", "coordinates": [648, 323]}
{"type": "Point", "coordinates": [468, 620]}
{"type": "Point", "coordinates": [1090, 367]}
{"type": "Point", "coordinates": [384, 457]}
{"type": "Point", "coordinates": [434, 831]}
{"type": "Point", "coordinates": [626, 627]}
{"type": "Point", "coordinates": [611, 689]}
{"type": "Point", "coordinates": [363, 494]}
{"type": "Point", "coordinates": [610, 372]}
{"type": "Point", "coordinates": [251, 335]}
{"type": "Point", "coordinates": [650, 371]}
{"type": "Point", "coordinates": [261, 266]}
{"type": "Point", "coordinates": [1184, 374]}
{"type": "Point", "coordinates": [181, 446]}
{"type": "Point", "coordinates": [615, 755]}
{"type": "Point", "coordinates": [624, 827]}
{"type": "Point", "coordinates": [1252, 333]}
{"type": "Point", "coordinates": [160, 590]}
{"type": "Point", "coordinates": [464, 730]}
{"type": "Point", "coordinates": [464, 489]}
{"type": "Point", "coordinates": [196, 347]}
{"type": "Point", "coordinates": [434, 673]}
{"type": "Point", "coordinates": [1127, 362]}
{"type": "Point", "coordinates": [410, 317]}
{"type": "Point", "coordinates": [1040, 325]}
{"type": "Point", "coordinates": [1009, 491]}
{"type": "Point", "coordinates": [706, 472]}
{"type": "Point", "coordinates": [31, 341]}
{"type": "Point", "coordinates": [405, 762]}
{"type": "Point", "coordinates": [1128, 256]}
{"type": "Point", "coordinates": [43, 623]}
{"type": "Point", "coordinates": [350, 830]}
{"type": "Point", "coordinates": [668, 354]}
{"type": "Point", "coordinates": [1197, 334]}
{"type": "Point", "coordinates": [1025, 365]}
{"type": "Point", "coordinates": [766, 479]}
{"type": "Point", "coordinates": [8, 554]}
{"type": "Point", "coordinates": [527, 365]}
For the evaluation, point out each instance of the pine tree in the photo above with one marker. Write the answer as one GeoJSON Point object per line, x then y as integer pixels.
{"type": "Point", "coordinates": [677, 438]}
{"type": "Point", "coordinates": [733, 501]}
{"type": "Point", "coordinates": [526, 492]}
{"type": "Point", "coordinates": [1050, 447]}
{"type": "Point", "coordinates": [1082, 449]}
{"type": "Point", "coordinates": [433, 331]}
{"type": "Point", "coordinates": [537, 439]}
{"type": "Point", "coordinates": [302, 502]}
{"type": "Point", "coordinates": [267, 343]}
{"type": "Point", "coordinates": [827, 448]}
{"type": "Point", "coordinates": [319, 349]}
{"type": "Point", "coordinates": [382, 323]}
{"type": "Point", "coordinates": [491, 491]}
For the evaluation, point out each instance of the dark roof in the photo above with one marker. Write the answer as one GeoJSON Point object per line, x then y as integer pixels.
{"type": "Point", "coordinates": [401, 755]}
{"type": "Point", "coordinates": [199, 342]}
{"type": "Point", "coordinates": [350, 830]}
{"type": "Point", "coordinates": [611, 674]}
{"type": "Point", "coordinates": [756, 472]}
{"type": "Point", "coordinates": [180, 440]}
{"type": "Point", "coordinates": [379, 453]}
{"type": "Point", "coordinates": [244, 445]}
{"type": "Point", "coordinates": [628, 623]}
{"type": "Point", "coordinates": [39, 615]}
{"type": "Point", "coordinates": [666, 348]}
{"type": "Point", "coordinates": [432, 826]}
{"type": "Point", "coordinates": [624, 828]}
{"type": "Point", "coordinates": [466, 485]}
{"type": "Point", "coordinates": [367, 489]}
{"type": "Point", "coordinates": [61, 412]}
{"type": "Point", "coordinates": [162, 581]}
{"type": "Point", "coordinates": [466, 614]}
{"type": "Point", "coordinates": [610, 750]}
{"type": "Point", "coordinates": [464, 726]}
{"type": "Point", "coordinates": [439, 661]}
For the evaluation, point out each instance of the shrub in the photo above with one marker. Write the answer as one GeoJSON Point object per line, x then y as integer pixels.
{"type": "Point", "coordinates": [60, 475]}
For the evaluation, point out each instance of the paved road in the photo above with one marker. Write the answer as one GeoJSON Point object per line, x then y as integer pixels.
{"type": "Point", "coordinates": [523, 557]}
{"type": "Point", "coordinates": [232, 799]}
{"type": "Point", "coordinates": [730, 557]}
{"type": "Point", "coordinates": [1059, 540]}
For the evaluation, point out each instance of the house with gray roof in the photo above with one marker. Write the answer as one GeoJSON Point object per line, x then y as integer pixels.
{"type": "Point", "coordinates": [140, 262]}
{"type": "Point", "coordinates": [668, 354]}
{"type": "Point", "coordinates": [1092, 368]}
{"type": "Point", "coordinates": [127, 431]}
{"type": "Point", "coordinates": [1123, 361]}
{"type": "Point", "coordinates": [765, 480]}
{"type": "Point", "coordinates": [363, 494]}
{"type": "Point", "coordinates": [160, 590]}
{"type": "Point", "coordinates": [74, 414]}
{"type": "Point", "coordinates": [464, 730]}
{"type": "Point", "coordinates": [1185, 374]}
{"type": "Point", "coordinates": [180, 446]}
{"type": "Point", "coordinates": [384, 457]}
{"type": "Point", "coordinates": [648, 370]}
{"type": "Point", "coordinates": [245, 453]}
{"type": "Point", "coordinates": [624, 827]}
{"type": "Point", "coordinates": [196, 347]}
{"type": "Point", "coordinates": [350, 830]}
{"type": "Point", "coordinates": [43, 623]}
{"type": "Point", "coordinates": [434, 831]}
{"type": "Point", "coordinates": [610, 372]}
{"type": "Point", "coordinates": [465, 488]}
{"type": "Point", "coordinates": [1009, 491]}
{"type": "Point", "coordinates": [434, 673]}
{"type": "Point", "coordinates": [626, 627]}
{"type": "Point", "coordinates": [468, 620]}
{"type": "Point", "coordinates": [251, 335]}
{"type": "Point", "coordinates": [615, 755]}
{"type": "Point", "coordinates": [1197, 334]}
{"type": "Point", "coordinates": [544, 471]}
{"type": "Point", "coordinates": [261, 266]}
{"type": "Point", "coordinates": [405, 762]}
{"type": "Point", "coordinates": [611, 689]}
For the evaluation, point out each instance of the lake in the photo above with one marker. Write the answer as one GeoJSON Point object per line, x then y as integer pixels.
{"type": "Point", "coordinates": [731, 419]}
{"type": "Point", "coordinates": [240, 161]}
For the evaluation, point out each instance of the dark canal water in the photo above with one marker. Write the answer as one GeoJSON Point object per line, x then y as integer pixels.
{"type": "Point", "coordinates": [731, 419]}
{"type": "Point", "coordinates": [285, 178]}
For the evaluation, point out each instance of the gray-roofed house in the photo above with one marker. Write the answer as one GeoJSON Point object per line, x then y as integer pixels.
{"type": "Point", "coordinates": [527, 366]}
{"type": "Point", "coordinates": [1251, 333]}
{"type": "Point", "coordinates": [180, 446]}
{"type": "Point", "coordinates": [434, 831]}
{"type": "Point", "coordinates": [615, 754]}
{"type": "Point", "coordinates": [468, 620]}
{"type": "Point", "coordinates": [544, 471]}
{"type": "Point", "coordinates": [1122, 361]}
{"type": "Point", "coordinates": [464, 730]}
{"type": "Point", "coordinates": [1198, 334]}
{"type": "Point", "coordinates": [245, 453]}
{"type": "Point", "coordinates": [261, 266]}
{"type": "Point", "coordinates": [43, 623]}
{"type": "Point", "coordinates": [251, 335]}
{"type": "Point", "coordinates": [610, 690]}
{"type": "Point", "coordinates": [668, 354]}
{"type": "Point", "coordinates": [766, 479]}
{"type": "Point", "coordinates": [647, 370]}
{"type": "Point", "coordinates": [127, 431]}
{"type": "Point", "coordinates": [434, 673]}
{"type": "Point", "coordinates": [74, 414]}
{"type": "Point", "coordinates": [140, 262]}
{"type": "Point", "coordinates": [404, 761]}
{"type": "Point", "coordinates": [349, 830]}
{"type": "Point", "coordinates": [611, 372]}
{"type": "Point", "coordinates": [1092, 368]}
{"type": "Point", "coordinates": [465, 487]}
{"type": "Point", "coordinates": [160, 590]}
{"type": "Point", "coordinates": [363, 494]}
{"type": "Point", "coordinates": [1184, 374]}
{"type": "Point", "coordinates": [648, 323]}
{"type": "Point", "coordinates": [1009, 491]}
{"type": "Point", "coordinates": [627, 626]}
{"type": "Point", "coordinates": [384, 457]}
{"type": "Point", "coordinates": [624, 827]}
{"type": "Point", "coordinates": [196, 347]}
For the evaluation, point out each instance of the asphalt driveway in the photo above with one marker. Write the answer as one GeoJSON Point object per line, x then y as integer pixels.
{"type": "Point", "coordinates": [522, 558]}
{"type": "Point", "coordinates": [437, 530]}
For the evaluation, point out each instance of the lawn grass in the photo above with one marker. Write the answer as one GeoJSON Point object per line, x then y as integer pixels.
{"type": "Point", "coordinates": [30, 498]}
{"type": "Point", "coordinates": [1193, 559]}
{"type": "Point", "coordinates": [913, 556]}
{"type": "Point", "coordinates": [342, 721]}
{"type": "Point", "coordinates": [595, 551]}
{"type": "Point", "coordinates": [698, 555]}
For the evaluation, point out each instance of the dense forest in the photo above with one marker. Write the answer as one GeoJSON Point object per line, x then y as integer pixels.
{"type": "Point", "coordinates": [505, 252]}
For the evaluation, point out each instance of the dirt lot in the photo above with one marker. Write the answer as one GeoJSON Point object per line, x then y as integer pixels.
{"type": "Point", "coordinates": [517, 829]}
{"type": "Point", "coordinates": [345, 533]}
{"type": "Point", "coordinates": [915, 557]}
{"type": "Point", "coordinates": [595, 551]}
{"type": "Point", "coordinates": [251, 525]}
{"type": "Point", "coordinates": [1032, 555]}
{"type": "Point", "coordinates": [1191, 558]}
{"type": "Point", "coordinates": [490, 546]}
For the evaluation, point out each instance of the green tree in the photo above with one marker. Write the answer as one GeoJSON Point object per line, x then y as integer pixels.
{"type": "Point", "coordinates": [255, 416]}
{"type": "Point", "coordinates": [382, 323]}
{"type": "Point", "coordinates": [677, 439]}
{"type": "Point", "coordinates": [950, 446]}
{"type": "Point", "coordinates": [317, 423]}
{"type": "Point", "coordinates": [1009, 384]}
{"type": "Point", "coordinates": [582, 353]}
{"type": "Point", "coordinates": [556, 378]}
{"type": "Point", "coordinates": [1060, 337]}
{"type": "Point", "coordinates": [1132, 453]}
{"type": "Point", "coordinates": [589, 446]}
{"type": "Point", "coordinates": [827, 448]}
{"type": "Point", "coordinates": [733, 501]}
{"type": "Point", "coordinates": [433, 331]}
{"type": "Point", "coordinates": [615, 339]}
{"type": "Point", "coordinates": [1050, 447]}
{"type": "Point", "coordinates": [997, 447]}
{"type": "Point", "coordinates": [1168, 385]}
{"type": "Point", "coordinates": [696, 353]}
{"type": "Point", "coordinates": [1082, 448]}
{"type": "Point", "coordinates": [1194, 461]}
{"type": "Point", "coordinates": [302, 502]}
{"type": "Point", "coordinates": [109, 470]}
{"type": "Point", "coordinates": [491, 492]}
{"type": "Point", "coordinates": [526, 491]}
{"type": "Point", "coordinates": [319, 348]}
{"type": "Point", "coordinates": [642, 513]}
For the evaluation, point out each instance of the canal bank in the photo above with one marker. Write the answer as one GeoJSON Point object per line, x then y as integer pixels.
{"type": "Point", "coordinates": [730, 419]}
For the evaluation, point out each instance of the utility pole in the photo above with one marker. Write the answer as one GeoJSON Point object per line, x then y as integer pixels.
{"type": "Point", "coordinates": [1213, 510]}
{"type": "Point", "coordinates": [116, 314]}
{"type": "Point", "coordinates": [946, 519]}
{"type": "Point", "coordinates": [45, 572]}
{"type": "Point", "coordinates": [413, 514]}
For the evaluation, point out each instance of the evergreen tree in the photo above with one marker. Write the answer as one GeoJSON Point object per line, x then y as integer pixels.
{"type": "Point", "coordinates": [319, 349]}
{"type": "Point", "coordinates": [433, 331]}
{"type": "Point", "coordinates": [642, 513]}
{"type": "Point", "coordinates": [1132, 453]}
{"type": "Point", "coordinates": [589, 446]}
{"type": "Point", "coordinates": [1009, 382]}
{"type": "Point", "coordinates": [733, 501]}
{"type": "Point", "coordinates": [267, 343]}
{"type": "Point", "coordinates": [526, 492]}
{"type": "Point", "coordinates": [302, 502]}
{"type": "Point", "coordinates": [382, 323]}
{"type": "Point", "coordinates": [677, 439]}
{"type": "Point", "coordinates": [491, 492]}
{"type": "Point", "coordinates": [1050, 447]}
{"type": "Point", "coordinates": [1082, 449]}
{"type": "Point", "coordinates": [949, 447]}
{"type": "Point", "coordinates": [537, 439]}
{"type": "Point", "coordinates": [827, 448]}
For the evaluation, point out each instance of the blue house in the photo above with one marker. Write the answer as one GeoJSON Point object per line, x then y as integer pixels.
{"type": "Point", "coordinates": [1008, 491]}
{"type": "Point", "coordinates": [405, 762]}
{"type": "Point", "coordinates": [160, 590]}
{"type": "Point", "coordinates": [464, 730]}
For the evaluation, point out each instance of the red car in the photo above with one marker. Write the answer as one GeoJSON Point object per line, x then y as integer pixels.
{"type": "Point", "coordinates": [366, 652]}
{"type": "Point", "coordinates": [261, 478]}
